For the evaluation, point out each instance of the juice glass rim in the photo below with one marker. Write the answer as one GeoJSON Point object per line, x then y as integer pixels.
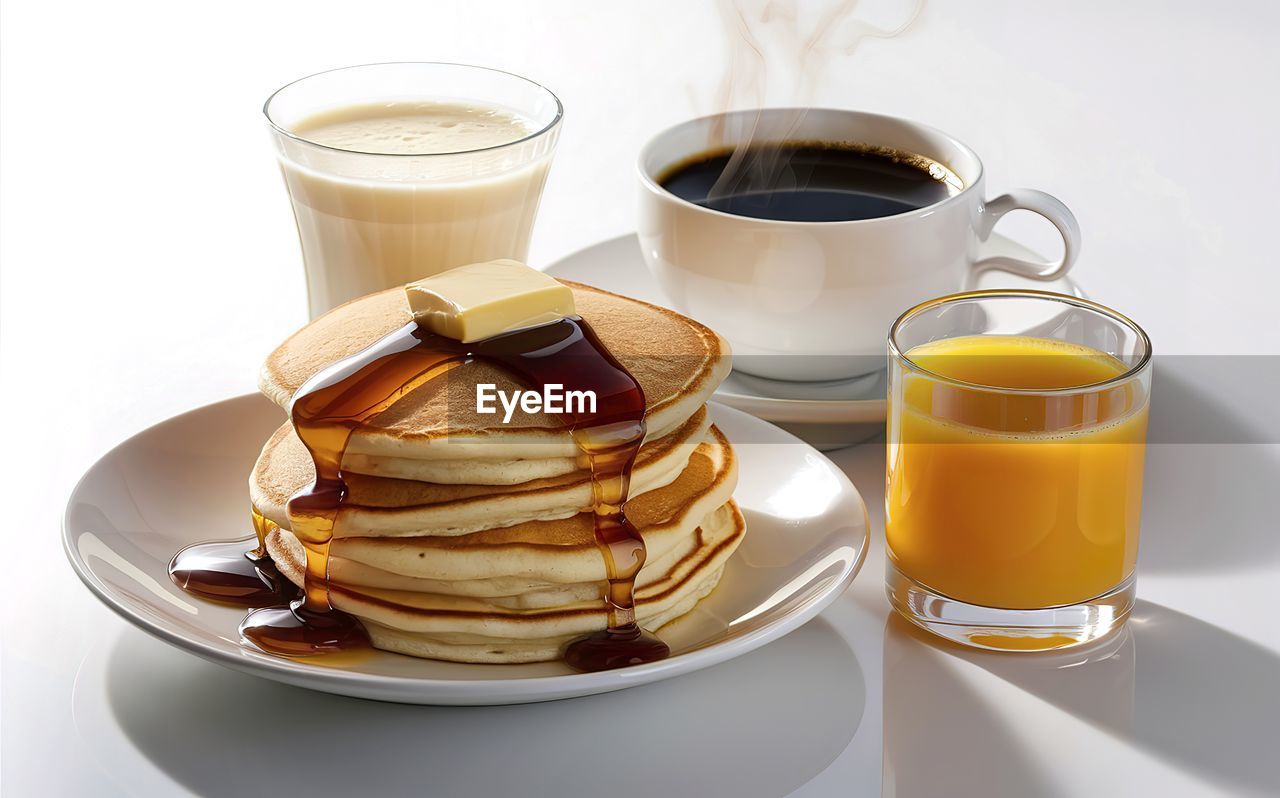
{"type": "Point", "coordinates": [284, 131]}
{"type": "Point", "coordinates": [1021, 293]}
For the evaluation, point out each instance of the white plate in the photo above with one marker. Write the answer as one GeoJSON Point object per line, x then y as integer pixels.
{"type": "Point", "coordinates": [184, 481]}
{"type": "Point", "coordinates": [815, 411]}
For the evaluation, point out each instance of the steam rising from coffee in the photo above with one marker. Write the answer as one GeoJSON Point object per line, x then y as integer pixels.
{"type": "Point", "coordinates": [782, 49]}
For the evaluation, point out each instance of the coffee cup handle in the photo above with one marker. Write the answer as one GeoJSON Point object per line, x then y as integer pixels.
{"type": "Point", "coordinates": [1046, 206]}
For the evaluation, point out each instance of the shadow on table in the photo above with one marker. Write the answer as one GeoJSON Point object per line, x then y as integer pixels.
{"type": "Point", "coordinates": [761, 725]}
{"type": "Point", "coordinates": [1208, 501]}
{"type": "Point", "coordinates": [1184, 690]}
{"type": "Point", "coordinates": [941, 737]}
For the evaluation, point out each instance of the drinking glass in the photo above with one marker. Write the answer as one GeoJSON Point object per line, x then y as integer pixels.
{"type": "Point", "coordinates": [369, 221]}
{"type": "Point", "coordinates": [1013, 495]}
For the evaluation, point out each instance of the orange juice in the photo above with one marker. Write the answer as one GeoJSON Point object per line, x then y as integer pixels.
{"type": "Point", "coordinates": [1015, 499]}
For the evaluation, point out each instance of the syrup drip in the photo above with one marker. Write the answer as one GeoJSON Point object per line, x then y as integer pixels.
{"type": "Point", "coordinates": [349, 394]}
{"type": "Point", "coordinates": [239, 573]}
{"type": "Point", "coordinates": [226, 571]}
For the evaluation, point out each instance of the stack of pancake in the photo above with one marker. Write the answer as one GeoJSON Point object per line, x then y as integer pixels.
{"type": "Point", "coordinates": [463, 538]}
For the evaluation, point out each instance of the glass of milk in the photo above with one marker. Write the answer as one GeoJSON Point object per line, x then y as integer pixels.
{"type": "Point", "coordinates": [399, 171]}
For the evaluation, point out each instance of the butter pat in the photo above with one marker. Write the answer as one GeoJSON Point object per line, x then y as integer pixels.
{"type": "Point", "coordinates": [481, 300]}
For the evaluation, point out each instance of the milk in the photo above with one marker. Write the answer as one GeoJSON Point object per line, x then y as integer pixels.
{"type": "Point", "coordinates": [390, 192]}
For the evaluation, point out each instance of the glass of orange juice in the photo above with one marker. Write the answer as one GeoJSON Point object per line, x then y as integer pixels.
{"type": "Point", "coordinates": [1016, 436]}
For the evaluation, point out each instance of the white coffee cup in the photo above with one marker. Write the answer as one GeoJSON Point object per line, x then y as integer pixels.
{"type": "Point", "coordinates": [814, 300]}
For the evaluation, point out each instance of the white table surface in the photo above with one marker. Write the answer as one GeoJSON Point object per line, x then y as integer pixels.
{"type": "Point", "coordinates": [149, 262]}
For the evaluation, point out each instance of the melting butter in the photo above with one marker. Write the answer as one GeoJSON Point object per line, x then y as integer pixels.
{"type": "Point", "coordinates": [481, 300]}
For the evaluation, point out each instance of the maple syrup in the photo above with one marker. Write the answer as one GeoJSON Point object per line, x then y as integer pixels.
{"type": "Point", "coordinates": [229, 572]}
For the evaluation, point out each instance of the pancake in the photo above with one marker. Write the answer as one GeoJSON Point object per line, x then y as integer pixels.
{"type": "Point", "coordinates": [505, 591]}
{"type": "Point", "coordinates": [536, 555]}
{"type": "Point", "coordinates": [500, 472]}
{"type": "Point", "coordinates": [397, 507]}
{"type": "Point", "coordinates": [473, 630]}
{"type": "Point", "coordinates": [677, 362]}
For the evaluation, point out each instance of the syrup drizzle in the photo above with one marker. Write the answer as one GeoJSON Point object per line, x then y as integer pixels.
{"type": "Point", "coordinates": [348, 395]}
{"type": "Point", "coordinates": [227, 572]}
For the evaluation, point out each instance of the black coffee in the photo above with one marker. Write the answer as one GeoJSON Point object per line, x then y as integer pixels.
{"type": "Point", "coordinates": [811, 182]}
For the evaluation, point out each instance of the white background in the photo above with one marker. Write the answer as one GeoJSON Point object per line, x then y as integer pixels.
{"type": "Point", "coordinates": [149, 262]}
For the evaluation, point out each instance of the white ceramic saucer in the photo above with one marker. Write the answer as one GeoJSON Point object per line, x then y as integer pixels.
{"type": "Point", "coordinates": [183, 481]}
{"type": "Point", "coordinates": [826, 414]}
